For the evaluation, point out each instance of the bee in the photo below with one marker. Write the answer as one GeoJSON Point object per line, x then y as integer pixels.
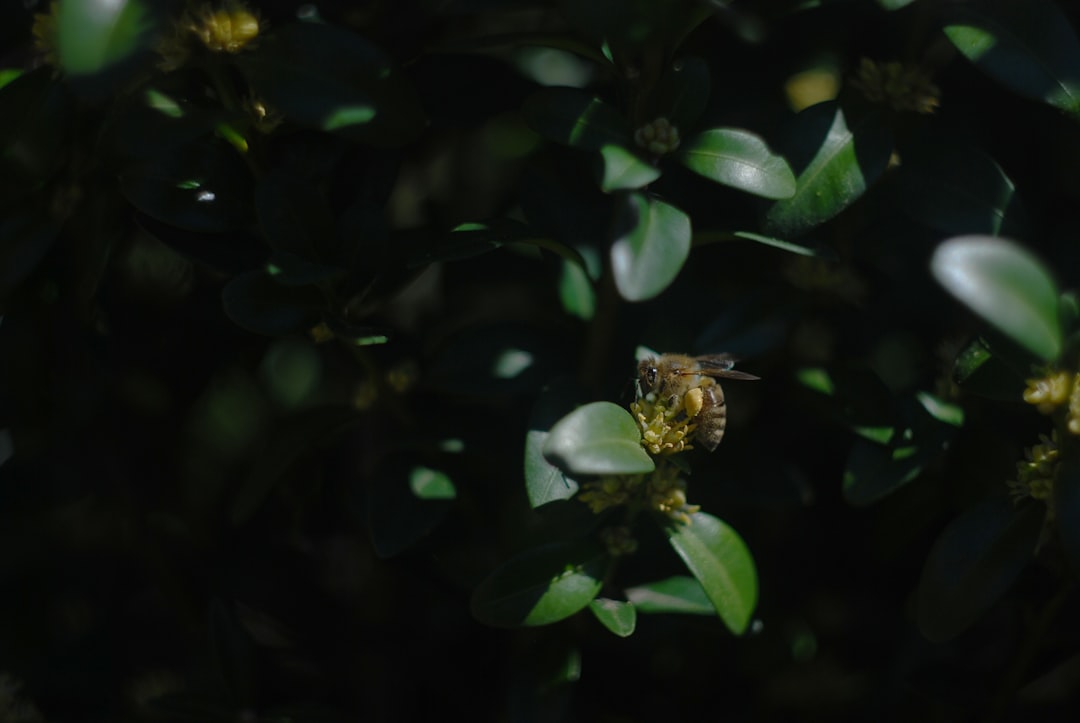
{"type": "Point", "coordinates": [690, 382]}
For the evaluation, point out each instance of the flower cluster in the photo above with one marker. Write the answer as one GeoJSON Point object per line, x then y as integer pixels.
{"type": "Point", "coordinates": [1060, 389]}
{"type": "Point", "coordinates": [611, 491]}
{"type": "Point", "coordinates": [658, 137]}
{"type": "Point", "coordinates": [666, 493]}
{"type": "Point", "coordinates": [618, 540]}
{"type": "Point", "coordinates": [226, 28]}
{"type": "Point", "coordinates": [1035, 474]}
{"type": "Point", "coordinates": [664, 430]}
{"type": "Point", "coordinates": [901, 87]}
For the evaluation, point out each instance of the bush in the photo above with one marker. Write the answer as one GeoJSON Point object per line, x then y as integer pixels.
{"type": "Point", "coordinates": [372, 361]}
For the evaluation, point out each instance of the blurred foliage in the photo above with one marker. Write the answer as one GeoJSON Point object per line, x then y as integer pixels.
{"type": "Point", "coordinates": [320, 333]}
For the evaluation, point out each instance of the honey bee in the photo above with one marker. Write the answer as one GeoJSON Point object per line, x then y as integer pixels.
{"type": "Point", "coordinates": [690, 382]}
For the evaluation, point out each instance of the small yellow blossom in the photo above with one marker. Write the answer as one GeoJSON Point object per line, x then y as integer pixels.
{"type": "Point", "coordinates": [266, 118]}
{"type": "Point", "coordinates": [663, 430]}
{"type": "Point", "coordinates": [607, 492]}
{"type": "Point", "coordinates": [229, 27]}
{"type": "Point", "coordinates": [1049, 392]}
{"type": "Point", "coordinates": [619, 541]}
{"type": "Point", "coordinates": [321, 333]}
{"type": "Point", "coordinates": [658, 137]}
{"type": "Point", "coordinates": [667, 494]}
{"type": "Point", "coordinates": [901, 87]}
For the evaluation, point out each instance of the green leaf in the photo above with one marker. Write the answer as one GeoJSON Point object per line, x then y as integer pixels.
{"type": "Point", "coordinates": [405, 500]}
{"type": "Point", "coordinates": [618, 616]}
{"type": "Point", "coordinates": [93, 35]}
{"type": "Point", "coordinates": [843, 161]}
{"type": "Point", "coordinates": [624, 170]}
{"type": "Point", "coordinates": [894, 4]}
{"type": "Point", "coordinates": [544, 482]}
{"type": "Point", "coordinates": [325, 77]}
{"type": "Point", "coordinates": [542, 585]}
{"type": "Point", "coordinates": [257, 303]}
{"type": "Point", "coordinates": [651, 245]}
{"type": "Point", "coordinates": [979, 371]}
{"type": "Point", "coordinates": [599, 438]}
{"type": "Point", "coordinates": [722, 563]}
{"type": "Point", "coordinates": [576, 291]}
{"type": "Point", "coordinates": [1006, 285]}
{"type": "Point", "coordinates": [973, 563]}
{"type": "Point", "coordinates": [202, 186]}
{"type": "Point", "coordinates": [740, 159]}
{"type": "Point", "coordinates": [778, 243]}
{"type": "Point", "coordinates": [1066, 503]}
{"type": "Point", "coordinates": [26, 235]}
{"type": "Point", "coordinates": [295, 217]}
{"type": "Point", "coordinates": [1028, 47]}
{"type": "Point", "coordinates": [955, 187]}
{"type": "Point", "coordinates": [502, 358]}
{"type": "Point", "coordinates": [575, 118]}
{"type": "Point", "coordinates": [678, 594]}
{"type": "Point", "coordinates": [35, 120]}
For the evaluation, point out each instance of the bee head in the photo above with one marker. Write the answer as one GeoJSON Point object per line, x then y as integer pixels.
{"type": "Point", "coordinates": [648, 375]}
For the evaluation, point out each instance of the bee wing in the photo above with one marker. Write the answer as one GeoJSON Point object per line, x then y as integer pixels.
{"type": "Point", "coordinates": [722, 365]}
{"type": "Point", "coordinates": [735, 374]}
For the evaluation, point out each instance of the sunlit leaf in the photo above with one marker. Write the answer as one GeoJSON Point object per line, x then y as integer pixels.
{"type": "Point", "coordinates": [679, 594]}
{"type": "Point", "coordinates": [618, 616]}
{"type": "Point", "coordinates": [1030, 48]}
{"type": "Point", "coordinates": [622, 170]}
{"type": "Point", "coordinates": [93, 35]}
{"type": "Point", "coordinates": [843, 159]}
{"type": "Point", "coordinates": [740, 159]}
{"type": "Point", "coordinates": [599, 438]}
{"type": "Point", "coordinates": [541, 586]}
{"type": "Point", "coordinates": [544, 482]}
{"type": "Point", "coordinates": [973, 563]}
{"type": "Point", "coordinates": [651, 245]}
{"type": "Point", "coordinates": [405, 501]}
{"type": "Point", "coordinates": [722, 563]}
{"type": "Point", "coordinates": [1006, 285]}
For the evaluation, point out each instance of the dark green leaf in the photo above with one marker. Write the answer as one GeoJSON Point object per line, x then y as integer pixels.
{"type": "Point", "coordinates": [495, 359]}
{"type": "Point", "coordinates": [973, 563]}
{"type": "Point", "coordinates": [576, 291]}
{"type": "Point", "coordinates": [651, 245]}
{"type": "Point", "coordinates": [740, 159]}
{"type": "Point", "coordinates": [679, 594]}
{"type": "Point", "coordinates": [618, 616]}
{"type": "Point", "coordinates": [843, 161]}
{"type": "Point", "coordinates": [957, 188]}
{"type": "Point", "coordinates": [325, 77]}
{"type": "Point", "coordinates": [541, 586]}
{"type": "Point", "coordinates": [35, 114]}
{"type": "Point", "coordinates": [599, 438]}
{"type": "Point", "coordinates": [894, 4]}
{"type": "Point", "coordinates": [257, 303]}
{"type": "Point", "coordinates": [472, 239]}
{"type": "Point", "coordinates": [575, 118]}
{"type": "Point", "coordinates": [722, 563]}
{"type": "Point", "coordinates": [406, 500]}
{"type": "Point", "coordinates": [26, 235]}
{"type": "Point", "coordinates": [979, 371]}
{"type": "Point", "coordinates": [93, 35]}
{"type": "Point", "coordinates": [1006, 285]}
{"type": "Point", "coordinates": [1029, 48]}
{"type": "Point", "coordinates": [778, 243]}
{"type": "Point", "coordinates": [623, 170]}
{"type": "Point", "coordinates": [683, 95]}
{"type": "Point", "coordinates": [295, 217]}
{"type": "Point", "coordinates": [544, 482]}
{"type": "Point", "coordinates": [203, 186]}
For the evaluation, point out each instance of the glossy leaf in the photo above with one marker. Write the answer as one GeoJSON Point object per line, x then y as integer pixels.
{"type": "Point", "coordinates": [722, 563]}
{"type": "Point", "coordinates": [541, 586]}
{"type": "Point", "coordinates": [93, 35]}
{"type": "Point", "coordinates": [257, 303]}
{"type": "Point", "coordinates": [957, 188]}
{"type": "Point", "coordinates": [544, 482]}
{"type": "Point", "coordinates": [679, 594]}
{"type": "Point", "coordinates": [328, 78]}
{"type": "Point", "coordinates": [623, 170]}
{"type": "Point", "coordinates": [651, 245]}
{"type": "Point", "coordinates": [740, 159]}
{"type": "Point", "coordinates": [979, 371]}
{"type": "Point", "coordinates": [600, 438]}
{"type": "Point", "coordinates": [844, 158]}
{"type": "Point", "coordinates": [203, 186]}
{"type": "Point", "coordinates": [778, 243]}
{"type": "Point", "coordinates": [576, 291]}
{"type": "Point", "coordinates": [972, 564]}
{"type": "Point", "coordinates": [405, 501]}
{"type": "Point", "coordinates": [1006, 285]}
{"type": "Point", "coordinates": [618, 616]}
{"type": "Point", "coordinates": [575, 118]}
{"type": "Point", "coordinates": [1029, 48]}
